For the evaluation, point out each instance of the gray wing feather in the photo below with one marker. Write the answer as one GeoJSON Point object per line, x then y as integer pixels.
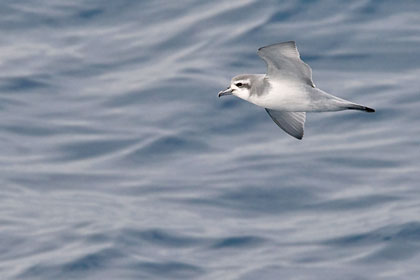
{"type": "Point", "coordinates": [283, 61]}
{"type": "Point", "coordinates": [291, 122]}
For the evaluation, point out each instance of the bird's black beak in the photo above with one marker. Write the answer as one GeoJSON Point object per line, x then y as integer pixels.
{"type": "Point", "coordinates": [227, 91]}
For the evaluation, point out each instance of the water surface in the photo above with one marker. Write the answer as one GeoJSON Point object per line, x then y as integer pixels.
{"type": "Point", "coordinates": [118, 161]}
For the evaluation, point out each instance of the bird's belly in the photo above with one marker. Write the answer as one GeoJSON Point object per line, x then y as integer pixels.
{"type": "Point", "coordinates": [285, 98]}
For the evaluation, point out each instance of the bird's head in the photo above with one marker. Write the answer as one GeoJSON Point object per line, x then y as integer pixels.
{"type": "Point", "coordinates": [240, 86]}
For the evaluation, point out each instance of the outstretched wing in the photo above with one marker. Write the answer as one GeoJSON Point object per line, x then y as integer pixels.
{"type": "Point", "coordinates": [291, 122]}
{"type": "Point", "coordinates": [283, 61]}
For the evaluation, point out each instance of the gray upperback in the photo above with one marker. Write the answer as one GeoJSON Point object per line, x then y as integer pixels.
{"type": "Point", "coordinates": [283, 61]}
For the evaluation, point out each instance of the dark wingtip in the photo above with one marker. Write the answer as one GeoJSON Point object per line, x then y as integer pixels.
{"type": "Point", "coordinates": [369, 110]}
{"type": "Point", "coordinates": [298, 137]}
{"type": "Point", "coordinates": [287, 42]}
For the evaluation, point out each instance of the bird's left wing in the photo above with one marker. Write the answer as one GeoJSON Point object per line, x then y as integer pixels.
{"type": "Point", "coordinates": [291, 122]}
{"type": "Point", "coordinates": [283, 61]}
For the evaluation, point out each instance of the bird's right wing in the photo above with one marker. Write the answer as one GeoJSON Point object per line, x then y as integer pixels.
{"type": "Point", "coordinates": [283, 61]}
{"type": "Point", "coordinates": [291, 122]}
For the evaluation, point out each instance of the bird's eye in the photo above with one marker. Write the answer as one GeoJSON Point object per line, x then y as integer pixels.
{"type": "Point", "coordinates": [239, 84]}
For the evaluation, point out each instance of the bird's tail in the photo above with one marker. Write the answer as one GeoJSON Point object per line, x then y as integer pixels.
{"type": "Point", "coordinates": [353, 106]}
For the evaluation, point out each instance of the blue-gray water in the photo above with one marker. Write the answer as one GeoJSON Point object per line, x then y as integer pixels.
{"type": "Point", "coordinates": [118, 161]}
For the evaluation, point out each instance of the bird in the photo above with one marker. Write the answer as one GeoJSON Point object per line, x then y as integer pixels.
{"type": "Point", "coordinates": [286, 91]}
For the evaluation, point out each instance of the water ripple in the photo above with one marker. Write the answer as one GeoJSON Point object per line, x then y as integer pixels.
{"type": "Point", "coordinates": [118, 161]}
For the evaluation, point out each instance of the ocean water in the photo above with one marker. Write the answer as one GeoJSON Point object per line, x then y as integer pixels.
{"type": "Point", "coordinates": [118, 161]}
